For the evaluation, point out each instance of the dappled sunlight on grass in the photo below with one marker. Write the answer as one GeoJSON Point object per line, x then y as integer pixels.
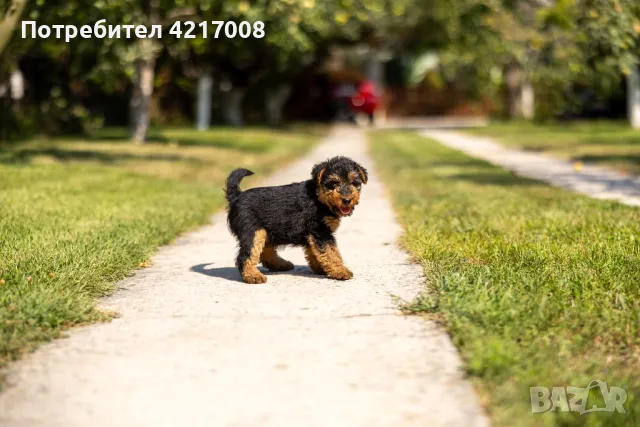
{"type": "Point", "coordinates": [207, 157]}
{"type": "Point", "coordinates": [605, 143]}
{"type": "Point", "coordinates": [537, 286]}
{"type": "Point", "coordinates": [78, 215]}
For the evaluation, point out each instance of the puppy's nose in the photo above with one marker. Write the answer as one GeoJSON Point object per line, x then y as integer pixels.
{"type": "Point", "coordinates": [346, 201]}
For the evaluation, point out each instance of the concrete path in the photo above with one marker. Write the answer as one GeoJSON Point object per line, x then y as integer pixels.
{"type": "Point", "coordinates": [597, 182]}
{"type": "Point", "coordinates": [196, 347]}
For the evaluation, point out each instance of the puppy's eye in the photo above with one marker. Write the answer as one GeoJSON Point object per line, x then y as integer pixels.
{"type": "Point", "coordinates": [356, 183]}
{"type": "Point", "coordinates": [332, 184]}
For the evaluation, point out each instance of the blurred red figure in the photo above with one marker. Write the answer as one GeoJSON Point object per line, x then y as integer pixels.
{"type": "Point", "coordinates": [366, 99]}
{"type": "Point", "coordinates": [354, 99]}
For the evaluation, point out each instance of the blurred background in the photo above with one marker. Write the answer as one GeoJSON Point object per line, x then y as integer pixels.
{"type": "Point", "coordinates": [508, 59]}
{"type": "Point", "coordinates": [112, 147]}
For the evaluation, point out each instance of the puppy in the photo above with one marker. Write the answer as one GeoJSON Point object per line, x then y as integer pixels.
{"type": "Point", "coordinates": [303, 214]}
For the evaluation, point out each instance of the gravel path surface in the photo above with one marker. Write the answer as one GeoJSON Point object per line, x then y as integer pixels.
{"type": "Point", "coordinates": [196, 347]}
{"type": "Point", "coordinates": [594, 181]}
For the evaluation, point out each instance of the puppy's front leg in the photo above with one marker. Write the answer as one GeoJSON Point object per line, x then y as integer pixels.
{"type": "Point", "coordinates": [326, 253]}
{"type": "Point", "coordinates": [313, 261]}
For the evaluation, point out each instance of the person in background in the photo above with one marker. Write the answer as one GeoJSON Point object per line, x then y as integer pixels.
{"type": "Point", "coordinates": [366, 100]}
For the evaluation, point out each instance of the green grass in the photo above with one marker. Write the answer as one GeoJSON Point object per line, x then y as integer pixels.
{"type": "Point", "coordinates": [605, 143]}
{"type": "Point", "coordinates": [537, 286]}
{"type": "Point", "coordinates": [77, 216]}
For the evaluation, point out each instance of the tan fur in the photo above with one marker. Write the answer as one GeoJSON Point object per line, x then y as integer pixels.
{"type": "Point", "coordinates": [355, 193]}
{"type": "Point", "coordinates": [326, 196]}
{"type": "Point", "coordinates": [330, 260]}
{"type": "Point", "coordinates": [363, 176]}
{"type": "Point", "coordinates": [313, 261]}
{"type": "Point", "coordinates": [355, 197]}
{"type": "Point", "coordinates": [320, 177]}
{"type": "Point", "coordinates": [329, 196]}
{"type": "Point", "coordinates": [332, 197]}
{"type": "Point", "coordinates": [272, 260]}
{"type": "Point", "coordinates": [250, 272]}
{"type": "Point", "coordinates": [332, 222]}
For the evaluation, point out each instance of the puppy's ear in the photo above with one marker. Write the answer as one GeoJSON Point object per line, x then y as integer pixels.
{"type": "Point", "coordinates": [318, 171]}
{"type": "Point", "coordinates": [363, 173]}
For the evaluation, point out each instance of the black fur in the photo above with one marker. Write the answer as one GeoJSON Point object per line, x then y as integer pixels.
{"type": "Point", "coordinates": [232, 189]}
{"type": "Point", "coordinates": [290, 214]}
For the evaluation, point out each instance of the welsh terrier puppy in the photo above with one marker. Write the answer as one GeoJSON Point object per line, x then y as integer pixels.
{"type": "Point", "coordinates": [302, 214]}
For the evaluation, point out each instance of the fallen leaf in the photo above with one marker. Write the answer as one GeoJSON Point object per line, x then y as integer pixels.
{"type": "Point", "coordinates": [578, 166]}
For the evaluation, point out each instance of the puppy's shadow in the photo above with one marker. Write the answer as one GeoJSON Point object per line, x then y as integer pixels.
{"type": "Point", "coordinates": [232, 273]}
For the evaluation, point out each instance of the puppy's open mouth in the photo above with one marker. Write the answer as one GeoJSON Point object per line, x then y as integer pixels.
{"type": "Point", "coordinates": [345, 210]}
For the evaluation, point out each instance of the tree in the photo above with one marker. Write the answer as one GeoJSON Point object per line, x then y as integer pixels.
{"type": "Point", "coordinates": [10, 21]}
{"type": "Point", "coordinates": [298, 34]}
{"type": "Point", "coordinates": [612, 40]}
{"type": "Point", "coordinates": [506, 42]}
{"type": "Point", "coordinates": [143, 54]}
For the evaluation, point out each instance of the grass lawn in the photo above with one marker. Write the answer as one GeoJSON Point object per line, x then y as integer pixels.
{"type": "Point", "coordinates": [77, 216]}
{"type": "Point", "coordinates": [604, 143]}
{"type": "Point", "coordinates": [537, 286]}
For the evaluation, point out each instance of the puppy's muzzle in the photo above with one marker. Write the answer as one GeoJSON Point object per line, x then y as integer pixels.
{"type": "Point", "coordinates": [345, 207]}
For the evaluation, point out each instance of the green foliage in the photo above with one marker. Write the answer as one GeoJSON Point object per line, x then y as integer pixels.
{"type": "Point", "coordinates": [10, 14]}
{"type": "Point", "coordinates": [611, 33]}
{"type": "Point", "coordinates": [298, 34]}
{"type": "Point", "coordinates": [557, 44]}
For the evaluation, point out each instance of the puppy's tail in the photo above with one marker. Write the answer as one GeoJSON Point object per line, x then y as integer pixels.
{"type": "Point", "coordinates": [232, 189]}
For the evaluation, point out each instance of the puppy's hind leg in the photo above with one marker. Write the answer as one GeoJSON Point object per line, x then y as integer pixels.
{"type": "Point", "coordinates": [251, 246]}
{"type": "Point", "coordinates": [272, 260]}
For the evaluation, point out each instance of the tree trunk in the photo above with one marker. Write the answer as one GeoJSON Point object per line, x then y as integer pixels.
{"type": "Point", "coordinates": [16, 85]}
{"type": "Point", "coordinates": [633, 97]}
{"type": "Point", "coordinates": [141, 100]}
{"type": "Point", "coordinates": [520, 94]}
{"type": "Point", "coordinates": [274, 104]}
{"type": "Point", "coordinates": [145, 74]}
{"type": "Point", "coordinates": [527, 98]}
{"type": "Point", "coordinates": [10, 21]}
{"type": "Point", "coordinates": [232, 109]}
{"type": "Point", "coordinates": [203, 113]}
{"type": "Point", "coordinates": [513, 79]}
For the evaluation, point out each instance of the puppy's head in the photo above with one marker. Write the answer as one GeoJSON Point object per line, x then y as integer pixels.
{"type": "Point", "coordinates": [338, 181]}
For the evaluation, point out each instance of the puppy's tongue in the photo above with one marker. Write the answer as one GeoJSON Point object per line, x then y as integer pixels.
{"type": "Point", "coordinates": [345, 210]}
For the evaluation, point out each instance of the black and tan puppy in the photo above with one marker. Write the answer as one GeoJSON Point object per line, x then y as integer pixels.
{"type": "Point", "coordinates": [302, 214]}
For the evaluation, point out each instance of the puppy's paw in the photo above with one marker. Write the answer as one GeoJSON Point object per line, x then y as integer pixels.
{"type": "Point", "coordinates": [280, 265]}
{"type": "Point", "coordinates": [254, 278]}
{"type": "Point", "coordinates": [341, 274]}
{"type": "Point", "coordinates": [287, 266]}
